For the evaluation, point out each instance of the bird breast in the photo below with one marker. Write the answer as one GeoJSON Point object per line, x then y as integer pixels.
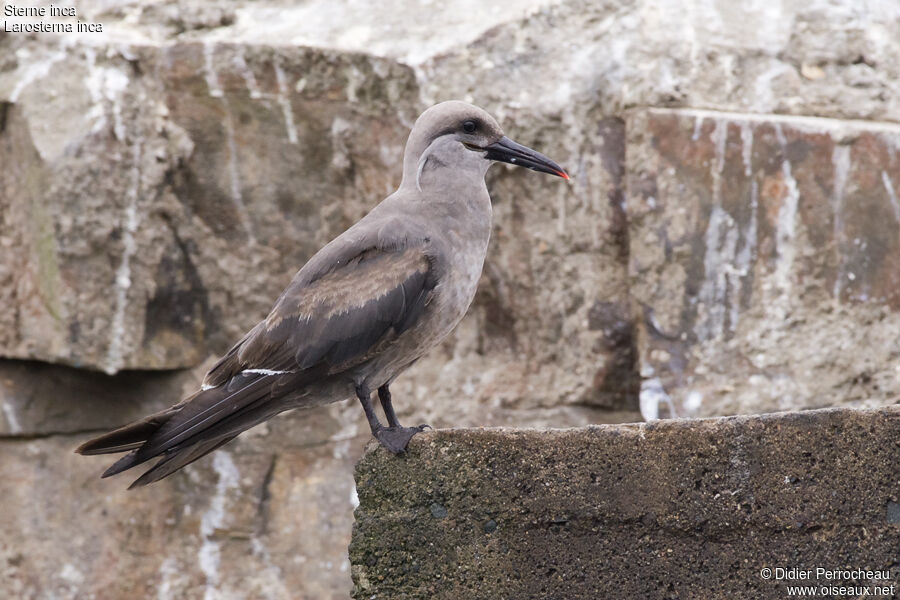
{"type": "Point", "coordinates": [458, 280]}
{"type": "Point", "coordinates": [456, 290]}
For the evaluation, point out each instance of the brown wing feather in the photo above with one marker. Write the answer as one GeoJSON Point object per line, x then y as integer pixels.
{"type": "Point", "coordinates": [229, 365]}
{"type": "Point", "coordinates": [337, 317]}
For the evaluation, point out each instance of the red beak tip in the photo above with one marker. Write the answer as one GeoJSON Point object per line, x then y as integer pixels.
{"type": "Point", "coordinates": [563, 175]}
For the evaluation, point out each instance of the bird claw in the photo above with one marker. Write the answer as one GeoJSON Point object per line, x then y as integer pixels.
{"type": "Point", "coordinates": [396, 439]}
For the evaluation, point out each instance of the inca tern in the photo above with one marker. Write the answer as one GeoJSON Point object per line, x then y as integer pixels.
{"type": "Point", "coordinates": [360, 312]}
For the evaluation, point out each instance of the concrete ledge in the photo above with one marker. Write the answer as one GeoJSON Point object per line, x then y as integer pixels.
{"type": "Point", "coordinates": [673, 509]}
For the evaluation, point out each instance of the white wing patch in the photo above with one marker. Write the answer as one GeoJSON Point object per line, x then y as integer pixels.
{"type": "Point", "coordinates": [263, 372]}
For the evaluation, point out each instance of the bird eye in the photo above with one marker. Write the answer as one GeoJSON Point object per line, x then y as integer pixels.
{"type": "Point", "coordinates": [470, 126]}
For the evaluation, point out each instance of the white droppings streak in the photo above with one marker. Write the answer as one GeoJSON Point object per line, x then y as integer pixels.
{"type": "Point", "coordinates": [719, 137]}
{"type": "Point", "coordinates": [785, 232]}
{"type": "Point", "coordinates": [747, 252]}
{"type": "Point", "coordinates": [747, 147]}
{"type": "Point", "coordinates": [246, 73]}
{"type": "Point", "coordinates": [892, 195]}
{"type": "Point", "coordinates": [652, 395]}
{"type": "Point", "coordinates": [762, 87]}
{"type": "Point", "coordinates": [745, 256]}
{"type": "Point", "coordinates": [114, 355]}
{"type": "Point", "coordinates": [354, 80]}
{"type": "Point", "coordinates": [235, 176]}
{"type": "Point", "coordinates": [209, 71]}
{"type": "Point", "coordinates": [270, 576]}
{"type": "Point", "coordinates": [12, 420]}
{"type": "Point", "coordinates": [285, 103]}
{"type": "Point", "coordinates": [115, 82]}
{"type": "Point", "coordinates": [693, 401]}
{"type": "Point", "coordinates": [168, 572]}
{"type": "Point", "coordinates": [721, 246]}
{"type": "Point", "coordinates": [719, 260]}
{"type": "Point", "coordinates": [214, 518]}
{"type": "Point", "coordinates": [105, 86]}
{"type": "Point", "coordinates": [354, 497]}
{"type": "Point", "coordinates": [212, 82]}
{"type": "Point", "coordinates": [698, 125]}
{"type": "Point", "coordinates": [92, 83]}
{"type": "Point", "coordinates": [37, 69]}
{"type": "Point", "coordinates": [779, 135]}
{"type": "Point", "coordinates": [840, 163]}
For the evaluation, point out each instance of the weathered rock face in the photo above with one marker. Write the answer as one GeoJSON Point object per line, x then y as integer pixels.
{"type": "Point", "coordinates": [160, 183]}
{"type": "Point", "coordinates": [180, 189]}
{"type": "Point", "coordinates": [39, 399]}
{"type": "Point", "coordinates": [765, 251]}
{"type": "Point", "coordinates": [257, 521]}
{"type": "Point", "coordinates": [691, 508]}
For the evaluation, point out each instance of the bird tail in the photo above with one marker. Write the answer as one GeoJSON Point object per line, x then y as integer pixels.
{"type": "Point", "coordinates": [141, 440]}
{"type": "Point", "coordinates": [195, 427]}
{"type": "Point", "coordinates": [129, 437]}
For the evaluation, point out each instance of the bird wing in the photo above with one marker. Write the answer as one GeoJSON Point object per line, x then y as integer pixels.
{"type": "Point", "coordinates": [320, 325]}
{"type": "Point", "coordinates": [340, 317]}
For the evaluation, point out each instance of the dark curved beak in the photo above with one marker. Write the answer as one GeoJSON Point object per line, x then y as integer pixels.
{"type": "Point", "coordinates": [508, 151]}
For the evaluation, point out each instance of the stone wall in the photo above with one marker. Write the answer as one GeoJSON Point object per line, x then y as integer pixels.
{"type": "Point", "coordinates": [671, 509]}
{"type": "Point", "coordinates": [161, 182]}
{"type": "Point", "coordinates": [765, 259]}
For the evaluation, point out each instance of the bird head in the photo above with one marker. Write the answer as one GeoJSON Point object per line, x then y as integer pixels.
{"type": "Point", "coordinates": [459, 133]}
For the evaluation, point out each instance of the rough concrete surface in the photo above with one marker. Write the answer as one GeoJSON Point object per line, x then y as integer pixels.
{"type": "Point", "coordinates": [162, 181]}
{"type": "Point", "coordinates": [672, 509]}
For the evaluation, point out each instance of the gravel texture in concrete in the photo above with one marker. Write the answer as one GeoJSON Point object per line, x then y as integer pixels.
{"type": "Point", "coordinates": [673, 509]}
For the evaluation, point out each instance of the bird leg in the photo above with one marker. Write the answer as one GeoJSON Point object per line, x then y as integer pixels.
{"type": "Point", "coordinates": [395, 438]}
{"type": "Point", "coordinates": [384, 394]}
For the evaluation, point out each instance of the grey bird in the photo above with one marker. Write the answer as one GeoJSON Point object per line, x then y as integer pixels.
{"type": "Point", "coordinates": [361, 311]}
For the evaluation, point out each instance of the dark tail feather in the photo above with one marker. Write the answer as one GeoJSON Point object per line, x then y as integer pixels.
{"type": "Point", "coordinates": [180, 456]}
{"type": "Point", "coordinates": [198, 425]}
{"type": "Point", "coordinates": [130, 436]}
{"type": "Point", "coordinates": [187, 431]}
{"type": "Point", "coordinates": [176, 460]}
{"type": "Point", "coordinates": [132, 459]}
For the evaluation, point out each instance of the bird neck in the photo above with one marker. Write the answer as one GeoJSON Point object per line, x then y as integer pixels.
{"type": "Point", "coordinates": [444, 167]}
{"type": "Point", "coordinates": [416, 145]}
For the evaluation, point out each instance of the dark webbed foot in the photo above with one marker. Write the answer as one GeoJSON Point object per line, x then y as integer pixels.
{"type": "Point", "coordinates": [396, 439]}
